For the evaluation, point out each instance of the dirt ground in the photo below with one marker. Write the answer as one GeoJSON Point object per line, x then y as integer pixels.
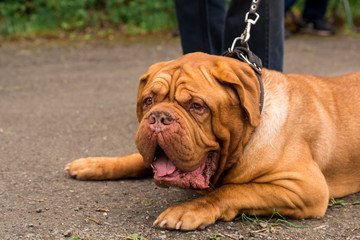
{"type": "Point", "coordinates": [61, 101]}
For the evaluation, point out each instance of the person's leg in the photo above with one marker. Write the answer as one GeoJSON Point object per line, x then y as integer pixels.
{"type": "Point", "coordinates": [315, 10]}
{"type": "Point", "coordinates": [314, 18]}
{"type": "Point", "coordinates": [201, 24]}
{"type": "Point", "coordinates": [267, 36]}
{"type": "Point", "coordinates": [216, 18]}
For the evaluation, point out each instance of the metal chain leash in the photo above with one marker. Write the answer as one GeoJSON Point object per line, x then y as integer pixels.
{"type": "Point", "coordinates": [245, 36]}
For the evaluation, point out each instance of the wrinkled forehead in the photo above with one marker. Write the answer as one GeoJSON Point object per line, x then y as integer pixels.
{"type": "Point", "coordinates": [183, 82]}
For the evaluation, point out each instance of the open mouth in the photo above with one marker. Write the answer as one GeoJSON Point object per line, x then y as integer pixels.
{"type": "Point", "coordinates": [166, 174]}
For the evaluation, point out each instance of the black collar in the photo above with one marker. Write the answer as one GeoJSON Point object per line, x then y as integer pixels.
{"type": "Point", "coordinates": [245, 55]}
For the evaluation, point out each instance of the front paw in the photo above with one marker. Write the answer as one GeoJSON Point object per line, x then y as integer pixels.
{"type": "Point", "coordinates": [87, 169]}
{"type": "Point", "coordinates": [187, 216]}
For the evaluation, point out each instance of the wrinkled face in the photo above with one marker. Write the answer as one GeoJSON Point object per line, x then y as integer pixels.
{"type": "Point", "coordinates": [180, 107]}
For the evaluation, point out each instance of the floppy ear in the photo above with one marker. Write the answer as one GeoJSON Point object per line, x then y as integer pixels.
{"type": "Point", "coordinates": [243, 79]}
{"type": "Point", "coordinates": [153, 69]}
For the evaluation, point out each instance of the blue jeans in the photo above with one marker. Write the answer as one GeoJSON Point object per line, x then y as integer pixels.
{"type": "Point", "coordinates": [206, 26]}
{"type": "Point", "coordinates": [314, 10]}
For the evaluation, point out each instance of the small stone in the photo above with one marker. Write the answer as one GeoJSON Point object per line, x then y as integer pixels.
{"type": "Point", "coordinates": [78, 209]}
{"type": "Point", "coordinates": [39, 210]}
{"type": "Point", "coordinates": [30, 225]}
{"type": "Point", "coordinates": [263, 225]}
{"type": "Point", "coordinates": [162, 237]}
{"type": "Point", "coordinates": [67, 233]}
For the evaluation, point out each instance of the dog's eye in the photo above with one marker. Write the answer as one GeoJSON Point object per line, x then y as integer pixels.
{"type": "Point", "coordinates": [196, 106]}
{"type": "Point", "coordinates": [148, 101]}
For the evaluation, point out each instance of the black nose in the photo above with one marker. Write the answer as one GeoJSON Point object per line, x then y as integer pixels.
{"type": "Point", "coordinates": [160, 117]}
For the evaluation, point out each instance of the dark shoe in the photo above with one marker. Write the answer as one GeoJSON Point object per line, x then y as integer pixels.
{"type": "Point", "coordinates": [320, 28]}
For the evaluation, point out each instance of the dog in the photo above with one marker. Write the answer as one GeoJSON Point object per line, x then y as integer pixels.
{"type": "Point", "coordinates": [201, 128]}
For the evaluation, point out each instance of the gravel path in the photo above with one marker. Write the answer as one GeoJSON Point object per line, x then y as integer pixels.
{"type": "Point", "coordinates": [61, 101]}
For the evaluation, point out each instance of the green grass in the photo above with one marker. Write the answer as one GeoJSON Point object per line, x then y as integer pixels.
{"type": "Point", "coordinates": [333, 202]}
{"type": "Point", "coordinates": [48, 17]}
{"type": "Point", "coordinates": [215, 237]}
{"type": "Point", "coordinates": [342, 203]}
{"type": "Point", "coordinates": [134, 236]}
{"type": "Point", "coordinates": [276, 219]}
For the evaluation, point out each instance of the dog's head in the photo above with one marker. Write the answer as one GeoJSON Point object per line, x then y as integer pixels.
{"type": "Point", "coordinates": [195, 116]}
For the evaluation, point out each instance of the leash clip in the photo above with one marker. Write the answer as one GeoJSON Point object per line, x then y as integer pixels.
{"type": "Point", "coordinates": [231, 49]}
{"type": "Point", "coordinates": [253, 65]}
{"type": "Point", "coordinates": [245, 36]}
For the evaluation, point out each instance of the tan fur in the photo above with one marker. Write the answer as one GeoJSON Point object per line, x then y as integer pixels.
{"type": "Point", "coordinates": [303, 149]}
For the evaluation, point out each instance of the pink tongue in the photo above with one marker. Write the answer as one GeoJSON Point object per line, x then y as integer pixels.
{"type": "Point", "coordinates": [163, 165]}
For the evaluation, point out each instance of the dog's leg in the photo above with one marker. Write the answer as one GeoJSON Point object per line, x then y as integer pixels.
{"type": "Point", "coordinates": [101, 168]}
{"type": "Point", "coordinates": [292, 194]}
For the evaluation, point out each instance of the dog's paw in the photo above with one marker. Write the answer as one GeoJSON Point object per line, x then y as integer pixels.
{"type": "Point", "coordinates": [87, 169]}
{"type": "Point", "coordinates": [187, 216]}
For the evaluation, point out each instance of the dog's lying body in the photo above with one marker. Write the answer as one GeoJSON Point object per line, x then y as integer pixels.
{"type": "Point", "coordinates": [202, 112]}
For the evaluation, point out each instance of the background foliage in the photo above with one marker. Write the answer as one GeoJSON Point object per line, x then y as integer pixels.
{"type": "Point", "coordinates": [46, 17]}
{"type": "Point", "coordinates": [27, 17]}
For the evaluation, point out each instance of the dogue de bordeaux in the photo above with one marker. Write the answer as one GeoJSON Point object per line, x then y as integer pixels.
{"type": "Point", "coordinates": [201, 128]}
